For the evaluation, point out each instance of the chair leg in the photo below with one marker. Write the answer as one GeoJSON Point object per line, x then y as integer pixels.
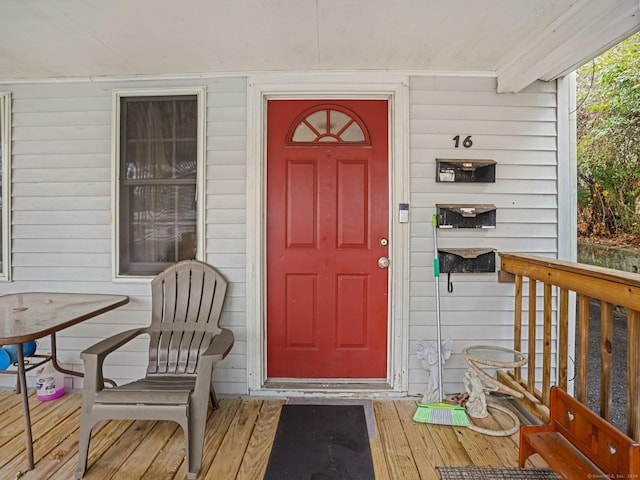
{"type": "Point", "coordinates": [192, 460]}
{"type": "Point", "coordinates": [214, 399]}
{"type": "Point", "coordinates": [83, 447]}
{"type": "Point", "coordinates": [195, 442]}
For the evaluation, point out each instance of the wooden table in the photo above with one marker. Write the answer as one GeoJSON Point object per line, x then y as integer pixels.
{"type": "Point", "coordinates": [33, 315]}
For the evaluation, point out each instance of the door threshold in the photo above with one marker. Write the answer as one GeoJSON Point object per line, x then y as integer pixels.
{"type": "Point", "coordinates": [348, 387]}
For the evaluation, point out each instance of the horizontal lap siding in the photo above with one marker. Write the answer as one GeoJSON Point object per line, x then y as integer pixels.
{"type": "Point", "coordinates": [518, 131]}
{"type": "Point", "coordinates": [226, 217]}
{"type": "Point", "coordinates": [62, 184]}
{"type": "Point", "coordinates": [62, 207]}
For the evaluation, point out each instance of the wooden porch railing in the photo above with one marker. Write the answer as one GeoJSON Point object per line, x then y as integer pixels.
{"type": "Point", "coordinates": [611, 288]}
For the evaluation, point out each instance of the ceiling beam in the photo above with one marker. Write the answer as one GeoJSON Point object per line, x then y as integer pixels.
{"type": "Point", "coordinates": [587, 29]}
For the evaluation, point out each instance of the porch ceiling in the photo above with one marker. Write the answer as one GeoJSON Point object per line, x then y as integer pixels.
{"type": "Point", "coordinates": [517, 40]}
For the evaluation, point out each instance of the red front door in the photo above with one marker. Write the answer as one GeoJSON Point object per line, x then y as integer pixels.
{"type": "Point", "coordinates": [327, 227]}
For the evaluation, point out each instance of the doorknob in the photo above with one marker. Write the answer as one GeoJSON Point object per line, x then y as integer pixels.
{"type": "Point", "coordinates": [383, 262]}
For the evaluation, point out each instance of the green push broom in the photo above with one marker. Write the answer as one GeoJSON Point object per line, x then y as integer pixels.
{"type": "Point", "coordinates": [440, 413]}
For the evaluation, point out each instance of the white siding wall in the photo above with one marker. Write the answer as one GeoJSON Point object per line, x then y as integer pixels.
{"type": "Point", "coordinates": [518, 131]}
{"type": "Point", "coordinates": [62, 206]}
{"type": "Point", "coordinates": [62, 184]}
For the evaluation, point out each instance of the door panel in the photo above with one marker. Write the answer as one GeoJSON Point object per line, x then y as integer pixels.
{"type": "Point", "coordinates": [327, 207]}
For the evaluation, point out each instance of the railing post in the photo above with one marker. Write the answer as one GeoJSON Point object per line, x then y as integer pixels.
{"type": "Point", "coordinates": [606, 359]}
{"type": "Point", "coordinates": [633, 374]}
{"type": "Point", "coordinates": [517, 327]}
{"type": "Point", "coordinates": [563, 339]}
{"type": "Point", "coordinates": [531, 366]}
{"type": "Point", "coordinates": [583, 347]}
{"type": "Point", "coordinates": [546, 344]}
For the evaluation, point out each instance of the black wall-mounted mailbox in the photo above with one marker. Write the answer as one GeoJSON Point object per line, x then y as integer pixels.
{"type": "Point", "coordinates": [465, 170]}
{"type": "Point", "coordinates": [466, 215]}
{"type": "Point", "coordinates": [467, 260]}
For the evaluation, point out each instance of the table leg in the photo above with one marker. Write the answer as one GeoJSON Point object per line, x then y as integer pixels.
{"type": "Point", "coordinates": [54, 359]}
{"type": "Point", "coordinates": [58, 367]}
{"type": "Point", "coordinates": [22, 382]}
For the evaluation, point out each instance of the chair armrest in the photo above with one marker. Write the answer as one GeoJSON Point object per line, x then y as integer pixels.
{"type": "Point", "coordinates": [216, 351]}
{"type": "Point", "coordinates": [109, 344]}
{"type": "Point", "coordinates": [220, 345]}
{"type": "Point", "coordinates": [95, 355]}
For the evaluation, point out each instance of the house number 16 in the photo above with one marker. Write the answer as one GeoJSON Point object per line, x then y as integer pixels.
{"type": "Point", "coordinates": [466, 143]}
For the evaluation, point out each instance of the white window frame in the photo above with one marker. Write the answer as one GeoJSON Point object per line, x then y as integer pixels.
{"type": "Point", "coordinates": [5, 139]}
{"type": "Point", "coordinates": [118, 94]}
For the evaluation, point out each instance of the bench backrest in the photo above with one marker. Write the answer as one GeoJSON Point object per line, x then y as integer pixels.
{"type": "Point", "coordinates": [610, 449]}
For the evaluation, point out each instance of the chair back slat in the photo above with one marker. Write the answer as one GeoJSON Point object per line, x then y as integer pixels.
{"type": "Point", "coordinates": [187, 301]}
{"type": "Point", "coordinates": [197, 295]}
{"type": "Point", "coordinates": [187, 297]}
{"type": "Point", "coordinates": [197, 341]}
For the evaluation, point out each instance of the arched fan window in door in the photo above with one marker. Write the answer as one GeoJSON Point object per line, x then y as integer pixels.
{"type": "Point", "coordinates": [328, 124]}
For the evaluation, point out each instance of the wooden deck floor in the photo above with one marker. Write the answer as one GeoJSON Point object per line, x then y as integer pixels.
{"type": "Point", "coordinates": [238, 443]}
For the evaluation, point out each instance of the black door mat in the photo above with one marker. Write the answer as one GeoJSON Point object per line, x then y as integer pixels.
{"type": "Point", "coordinates": [321, 442]}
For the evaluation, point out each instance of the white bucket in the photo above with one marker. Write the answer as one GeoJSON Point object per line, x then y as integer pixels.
{"type": "Point", "coordinates": [49, 383]}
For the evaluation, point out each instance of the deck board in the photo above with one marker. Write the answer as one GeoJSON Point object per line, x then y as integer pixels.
{"type": "Point", "coordinates": [254, 463]}
{"type": "Point", "coordinates": [400, 461]}
{"type": "Point", "coordinates": [419, 440]}
{"type": "Point", "coordinates": [229, 457]}
{"type": "Point", "coordinates": [238, 442]}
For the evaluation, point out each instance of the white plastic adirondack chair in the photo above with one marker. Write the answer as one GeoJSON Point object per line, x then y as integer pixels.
{"type": "Point", "coordinates": [185, 344]}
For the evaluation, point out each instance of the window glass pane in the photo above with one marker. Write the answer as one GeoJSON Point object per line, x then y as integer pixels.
{"type": "Point", "coordinates": [159, 157]}
{"type": "Point", "coordinates": [137, 164]}
{"type": "Point", "coordinates": [163, 132]}
{"type": "Point", "coordinates": [159, 218]}
{"type": "Point", "coordinates": [161, 119]}
{"type": "Point", "coordinates": [186, 159]}
{"type": "Point", "coordinates": [136, 117]}
{"type": "Point", "coordinates": [186, 120]}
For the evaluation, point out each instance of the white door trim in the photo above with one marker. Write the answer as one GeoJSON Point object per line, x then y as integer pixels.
{"type": "Point", "coordinates": [392, 87]}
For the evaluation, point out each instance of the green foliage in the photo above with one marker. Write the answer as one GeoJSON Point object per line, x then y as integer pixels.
{"type": "Point", "coordinates": [609, 141]}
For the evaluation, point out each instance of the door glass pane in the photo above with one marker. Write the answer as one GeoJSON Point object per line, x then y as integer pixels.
{"type": "Point", "coordinates": [337, 121]}
{"type": "Point", "coordinates": [328, 125]}
{"type": "Point", "coordinates": [353, 133]}
{"type": "Point", "coordinates": [304, 134]}
{"type": "Point", "coordinates": [318, 120]}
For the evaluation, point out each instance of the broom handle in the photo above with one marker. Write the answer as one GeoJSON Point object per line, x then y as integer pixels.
{"type": "Point", "coordinates": [436, 274]}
